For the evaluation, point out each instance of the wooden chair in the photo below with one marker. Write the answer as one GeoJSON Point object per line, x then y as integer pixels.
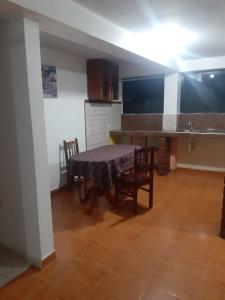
{"type": "Point", "coordinates": [142, 141]}
{"type": "Point", "coordinates": [142, 175]}
{"type": "Point", "coordinates": [139, 140]}
{"type": "Point", "coordinates": [71, 148]}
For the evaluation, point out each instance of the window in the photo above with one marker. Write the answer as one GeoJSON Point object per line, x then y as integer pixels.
{"type": "Point", "coordinates": [203, 92]}
{"type": "Point", "coordinates": [143, 95]}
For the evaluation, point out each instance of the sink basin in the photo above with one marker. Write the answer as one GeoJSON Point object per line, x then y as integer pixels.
{"type": "Point", "coordinates": [213, 130]}
{"type": "Point", "coordinates": [205, 130]}
{"type": "Point", "coordinates": [188, 130]}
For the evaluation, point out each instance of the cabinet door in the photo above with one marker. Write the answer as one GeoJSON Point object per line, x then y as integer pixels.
{"type": "Point", "coordinates": [102, 79]}
{"type": "Point", "coordinates": [106, 79]}
{"type": "Point", "coordinates": [112, 79]}
{"type": "Point", "coordinates": [114, 82]}
{"type": "Point", "coordinates": [94, 79]}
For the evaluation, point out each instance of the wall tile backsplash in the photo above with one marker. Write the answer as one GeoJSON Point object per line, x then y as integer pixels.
{"type": "Point", "coordinates": [157, 122]}
{"type": "Point", "coordinates": [100, 118]}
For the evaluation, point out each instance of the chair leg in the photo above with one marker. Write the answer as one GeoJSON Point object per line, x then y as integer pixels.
{"type": "Point", "coordinates": [83, 191]}
{"type": "Point", "coordinates": [116, 195]}
{"type": "Point", "coordinates": [135, 201]}
{"type": "Point", "coordinates": [79, 190]}
{"type": "Point", "coordinates": [88, 194]}
{"type": "Point", "coordinates": [150, 199]}
{"type": "Point", "coordinates": [85, 188]}
{"type": "Point", "coordinates": [151, 194]}
{"type": "Point", "coordinates": [69, 183]}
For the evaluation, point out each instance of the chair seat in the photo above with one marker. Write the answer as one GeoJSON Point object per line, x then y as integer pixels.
{"type": "Point", "coordinates": [130, 178]}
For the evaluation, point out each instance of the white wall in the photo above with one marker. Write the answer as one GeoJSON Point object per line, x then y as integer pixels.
{"type": "Point", "coordinates": [12, 228]}
{"type": "Point", "coordinates": [26, 208]}
{"type": "Point", "coordinates": [210, 63]}
{"type": "Point", "coordinates": [42, 206]}
{"type": "Point", "coordinates": [64, 115]}
{"type": "Point", "coordinates": [206, 154]}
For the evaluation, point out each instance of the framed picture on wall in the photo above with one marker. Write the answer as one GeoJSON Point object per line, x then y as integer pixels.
{"type": "Point", "coordinates": [49, 81]}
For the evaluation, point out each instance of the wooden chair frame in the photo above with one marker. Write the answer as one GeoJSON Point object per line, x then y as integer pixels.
{"type": "Point", "coordinates": [71, 148]}
{"type": "Point", "coordinates": [143, 172]}
{"type": "Point", "coordinates": [139, 140]}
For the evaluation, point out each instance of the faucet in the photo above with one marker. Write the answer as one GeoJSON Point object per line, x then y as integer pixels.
{"type": "Point", "coordinates": [190, 124]}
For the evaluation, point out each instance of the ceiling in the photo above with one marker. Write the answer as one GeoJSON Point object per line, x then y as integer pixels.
{"type": "Point", "coordinates": [58, 36]}
{"type": "Point", "coordinates": [56, 43]}
{"type": "Point", "coordinates": [127, 66]}
{"type": "Point", "coordinates": [205, 17]}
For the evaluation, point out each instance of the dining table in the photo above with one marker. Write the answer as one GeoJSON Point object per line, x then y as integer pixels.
{"type": "Point", "coordinates": [101, 166]}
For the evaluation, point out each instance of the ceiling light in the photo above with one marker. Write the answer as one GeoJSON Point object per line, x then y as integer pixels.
{"type": "Point", "coordinates": [212, 76]}
{"type": "Point", "coordinates": [163, 42]}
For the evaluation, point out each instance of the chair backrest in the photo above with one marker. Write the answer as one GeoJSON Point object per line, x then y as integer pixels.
{"type": "Point", "coordinates": [141, 141]}
{"type": "Point", "coordinates": [70, 148]}
{"type": "Point", "coordinates": [144, 161]}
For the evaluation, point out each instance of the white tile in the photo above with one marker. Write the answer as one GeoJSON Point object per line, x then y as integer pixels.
{"type": "Point", "coordinates": [99, 120]}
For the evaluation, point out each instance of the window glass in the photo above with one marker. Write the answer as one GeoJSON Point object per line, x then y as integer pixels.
{"type": "Point", "coordinates": [143, 95]}
{"type": "Point", "coordinates": [203, 92]}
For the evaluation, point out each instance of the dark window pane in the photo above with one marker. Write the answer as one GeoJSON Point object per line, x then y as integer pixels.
{"type": "Point", "coordinates": [203, 92]}
{"type": "Point", "coordinates": [143, 95]}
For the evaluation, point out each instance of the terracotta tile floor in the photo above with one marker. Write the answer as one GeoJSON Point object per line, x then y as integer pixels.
{"type": "Point", "coordinates": [170, 252]}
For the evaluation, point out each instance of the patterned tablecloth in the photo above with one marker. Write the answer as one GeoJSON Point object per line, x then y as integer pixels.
{"type": "Point", "coordinates": [102, 165]}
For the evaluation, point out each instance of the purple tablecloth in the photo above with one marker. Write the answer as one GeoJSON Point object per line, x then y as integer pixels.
{"type": "Point", "coordinates": [102, 165]}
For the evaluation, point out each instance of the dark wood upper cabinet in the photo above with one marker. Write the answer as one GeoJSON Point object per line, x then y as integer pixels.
{"type": "Point", "coordinates": [102, 80]}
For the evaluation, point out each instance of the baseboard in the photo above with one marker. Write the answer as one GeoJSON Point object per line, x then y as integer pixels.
{"type": "Point", "coordinates": [48, 259]}
{"type": "Point", "coordinates": [200, 168]}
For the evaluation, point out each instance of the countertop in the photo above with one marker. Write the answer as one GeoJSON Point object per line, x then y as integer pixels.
{"type": "Point", "coordinates": [208, 133]}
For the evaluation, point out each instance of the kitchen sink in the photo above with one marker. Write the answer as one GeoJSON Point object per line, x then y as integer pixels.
{"type": "Point", "coordinates": [205, 130]}
{"type": "Point", "coordinates": [188, 130]}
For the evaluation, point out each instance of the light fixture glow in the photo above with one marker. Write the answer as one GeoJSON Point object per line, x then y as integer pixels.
{"type": "Point", "coordinates": [212, 76]}
{"type": "Point", "coordinates": [162, 43]}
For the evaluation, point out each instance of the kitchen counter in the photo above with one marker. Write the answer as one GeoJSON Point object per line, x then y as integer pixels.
{"type": "Point", "coordinates": [206, 133]}
{"type": "Point", "coordinates": [165, 139]}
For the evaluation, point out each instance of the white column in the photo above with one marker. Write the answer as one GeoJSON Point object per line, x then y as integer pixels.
{"type": "Point", "coordinates": [171, 101]}
{"type": "Point", "coordinates": [29, 113]}
{"type": "Point", "coordinates": [12, 230]}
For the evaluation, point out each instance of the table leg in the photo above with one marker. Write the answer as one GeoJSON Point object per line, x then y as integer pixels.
{"type": "Point", "coordinates": [109, 197]}
{"type": "Point", "coordinates": [94, 193]}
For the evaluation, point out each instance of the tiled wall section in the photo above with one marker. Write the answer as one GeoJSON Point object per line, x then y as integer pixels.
{"type": "Point", "coordinates": [149, 122]}
{"type": "Point", "coordinates": [202, 121]}
{"type": "Point", "coordinates": [100, 118]}
{"type": "Point", "coordinates": [141, 122]}
{"type": "Point", "coordinates": [172, 122]}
